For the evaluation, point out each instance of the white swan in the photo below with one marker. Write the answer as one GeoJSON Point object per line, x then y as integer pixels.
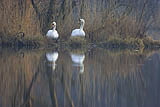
{"type": "Point", "coordinates": [53, 33]}
{"type": "Point", "coordinates": [79, 32]}
{"type": "Point", "coordinates": [52, 57]}
{"type": "Point", "coordinates": [77, 60]}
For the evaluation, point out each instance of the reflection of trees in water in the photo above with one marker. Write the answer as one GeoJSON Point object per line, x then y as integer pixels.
{"type": "Point", "coordinates": [108, 80]}
{"type": "Point", "coordinates": [39, 71]}
{"type": "Point", "coordinates": [16, 75]}
{"type": "Point", "coordinates": [52, 77]}
{"type": "Point", "coordinates": [151, 73]}
{"type": "Point", "coordinates": [95, 85]}
{"type": "Point", "coordinates": [53, 80]}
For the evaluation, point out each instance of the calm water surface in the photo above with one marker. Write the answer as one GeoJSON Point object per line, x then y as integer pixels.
{"type": "Point", "coordinates": [95, 78]}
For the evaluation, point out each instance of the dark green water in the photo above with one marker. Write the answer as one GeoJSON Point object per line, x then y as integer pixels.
{"type": "Point", "coordinates": [94, 78]}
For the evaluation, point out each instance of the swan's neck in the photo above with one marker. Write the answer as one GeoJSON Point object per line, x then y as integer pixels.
{"type": "Point", "coordinates": [54, 28]}
{"type": "Point", "coordinates": [82, 68]}
{"type": "Point", "coordinates": [54, 66]}
{"type": "Point", "coordinates": [82, 25]}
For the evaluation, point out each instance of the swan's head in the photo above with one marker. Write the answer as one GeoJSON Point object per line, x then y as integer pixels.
{"type": "Point", "coordinates": [54, 24]}
{"type": "Point", "coordinates": [82, 21]}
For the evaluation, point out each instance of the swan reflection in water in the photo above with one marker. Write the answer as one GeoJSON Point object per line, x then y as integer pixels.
{"type": "Point", "coordinates": [77, 60]}
{"type": "Point", "coordinates": [52, 57]}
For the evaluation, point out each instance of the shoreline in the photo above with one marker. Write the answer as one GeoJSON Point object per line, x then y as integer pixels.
{"type": "Point", "coordinates": [111, 43]}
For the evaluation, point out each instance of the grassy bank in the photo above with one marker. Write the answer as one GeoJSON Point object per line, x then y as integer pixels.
{"type": "Point", "coordinates": [130, 43]}
{"type": "Point", "coordinates": [118, 43]}
{"type": "Point", "coordinates": [126, 43]}
{"type": "Point", "coordinates": [24, 42]}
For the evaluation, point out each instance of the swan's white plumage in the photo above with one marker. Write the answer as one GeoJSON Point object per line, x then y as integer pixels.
{"type": "Point", "coordinates": [77, 60]}
{"type": "Point", "coordinates": [52, 57]}
{"type": "Point", "coordinates": [53, 33]}
{"type": "Point", "coordinates": [79, 32]}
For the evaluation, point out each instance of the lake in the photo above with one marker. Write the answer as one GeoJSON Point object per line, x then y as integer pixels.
{"type": "Point", "coordinates": [80, 78]}
{"type": "Point", "coordinates": [93, 77]}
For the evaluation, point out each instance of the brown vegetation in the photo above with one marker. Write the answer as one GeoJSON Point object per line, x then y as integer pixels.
{"type": "Point", "coordinates": [33, 17]}
{"type": "Point", "coordinates": [105, 20]}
